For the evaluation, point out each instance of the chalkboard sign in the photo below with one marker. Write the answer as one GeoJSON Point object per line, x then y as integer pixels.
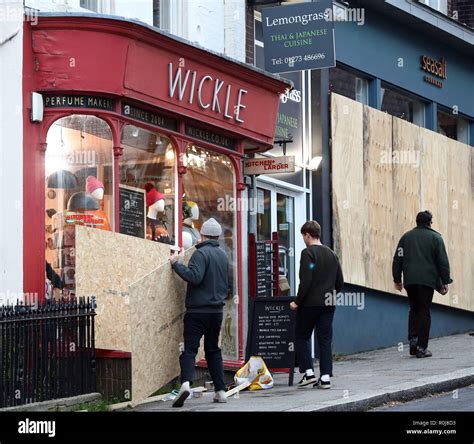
{"type": "Point", "coordinates": [132, 211]}
{"type": "Point", "coordinates": [272, 332]}
{"type": "Point", "coordinates": [263, 262]}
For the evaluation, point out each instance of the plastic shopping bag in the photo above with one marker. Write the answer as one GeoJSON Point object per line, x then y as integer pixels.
{"type": "Point", "coordinates": [256, 372]}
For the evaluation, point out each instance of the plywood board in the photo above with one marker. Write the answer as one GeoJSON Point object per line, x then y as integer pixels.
{"type": "Point", "coordinates": [375, 202]}
{"type": "Point", "coordinates": [379, 198]}
{"type": "Point", "coordinates": [157, 311]}
{"type": "Point", "coordinates": [407, 144]}
{"type": "Point", "coordinates": [348, 186]}
{"type": "Point", "coordinates": [106, 263]}
{"type": "Point", "coordinates": [459, 221]}
{"type": "Point", "coordinates": [434, 191]}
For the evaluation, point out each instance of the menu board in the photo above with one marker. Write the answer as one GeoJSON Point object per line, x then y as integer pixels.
{"type": "Point", "coordinates": [264, 269]}
{"type": "Point", "coordinates": [272, 332]}
{"type": "Point", "coordinates": [132, 211]}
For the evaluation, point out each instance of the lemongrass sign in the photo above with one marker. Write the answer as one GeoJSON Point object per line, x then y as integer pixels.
{"type": "Point", "coordinates": [299, 37]}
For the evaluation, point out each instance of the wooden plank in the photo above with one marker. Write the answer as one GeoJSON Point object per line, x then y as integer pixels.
{"type": "Point", "coordinates": [375, 202]}
{"type": "Point", "coordinates": [348, 186]}
{"type": "Point", "coordinates": [434, 190]}
{"type": "Point", "coordinates": [407, 144]}
{"type": "Point", "coordinates": [157, 312]}
{"type": "Point", "coordinates": [106, 263]}
{"type": "Point", "coordinates": [459, 221]}
{"type": "Point", "coordinates": [378, 244]}
{"type": "Point", "coordinates": [237, 389]}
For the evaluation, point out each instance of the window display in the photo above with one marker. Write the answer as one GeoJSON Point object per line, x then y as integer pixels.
{"type": "Point", "coordinates": [453, 126]}
{"type": "Point", "coordinates": [79, 191]}
{"type": "Point", "coordinates": [209, 185]}
{"type": "Point", "coordinates": [402, 105]}
{"type": "Point", "coordinates": [148, 163]}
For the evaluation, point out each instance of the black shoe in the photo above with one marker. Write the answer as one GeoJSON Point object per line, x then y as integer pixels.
{"type": "Point", "coordinates": [306, 380]}
{"type": "Point", "coordinates": [413, 346]}
{"type": "Point", "coordinates": [322, 384]}
{"type": "Point", "coordinates": [423, 353]}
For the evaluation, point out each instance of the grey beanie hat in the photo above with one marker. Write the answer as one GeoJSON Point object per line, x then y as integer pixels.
{"type": "Point", "coordinates": [211, 228]}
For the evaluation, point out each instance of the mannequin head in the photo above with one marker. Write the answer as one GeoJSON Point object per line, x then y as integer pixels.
{"type": "Point", "coordinates": [190, 235]}
{"type": "Point", "coordinates": [155, 202]}
{"type": "Point", "coordinates": [95, 187]}
{"type": "Point", "coordinates": [190, 212]}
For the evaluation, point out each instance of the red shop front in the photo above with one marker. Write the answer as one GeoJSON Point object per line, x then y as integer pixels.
{"type": "Point", "coordinates": [129, 107]}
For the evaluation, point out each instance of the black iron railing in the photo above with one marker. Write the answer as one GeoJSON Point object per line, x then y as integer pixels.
{"type": "Point", "coordinates": [47, 351]}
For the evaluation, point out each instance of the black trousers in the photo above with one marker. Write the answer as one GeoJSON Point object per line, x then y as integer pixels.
{"type": "Point", "coordinates": [308, 319]}
{"type": "Point", "coordinates": [420, 298]}
{"type": "Point", "coordinates": [197, 325]}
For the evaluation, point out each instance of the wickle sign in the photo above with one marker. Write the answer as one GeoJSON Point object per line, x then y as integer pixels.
{"type": "Point", "coordinates": [299, 37]}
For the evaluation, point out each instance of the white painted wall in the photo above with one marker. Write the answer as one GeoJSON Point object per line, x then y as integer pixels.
{"type": "Point", "coordinates": [134, 9]}
{"type": "Point", "coordinates": [234, 28]}
{"type": "Point", "coordinates": [11, 151]}
{"type": "Point", "coordinates": [218, 25]}
{"type": "Point", "coordinates": [204, 24]}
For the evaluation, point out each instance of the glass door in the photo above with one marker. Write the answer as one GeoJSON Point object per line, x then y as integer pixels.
{"type": "Point", "coordinates": [285, 217]}
{"type": "Point", "coordinates": [275, 212]}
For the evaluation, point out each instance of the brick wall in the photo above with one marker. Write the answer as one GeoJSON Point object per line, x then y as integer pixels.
{"type": "Point", "coordinates": [464, 10]}
{"type": "Point", "coordinates": [249, 34]}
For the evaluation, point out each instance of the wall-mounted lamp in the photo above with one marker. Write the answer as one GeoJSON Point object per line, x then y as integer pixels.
{"type": "Point", "coordinates": [37, 107]}
{"type": "Point", "coordinates": [314, 163]}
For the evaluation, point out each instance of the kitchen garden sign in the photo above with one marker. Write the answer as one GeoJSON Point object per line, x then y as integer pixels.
{"type": "Point", "coordinates": [299, 37]}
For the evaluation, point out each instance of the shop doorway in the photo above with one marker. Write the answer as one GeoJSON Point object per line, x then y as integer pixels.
{"type": "Point", "coordinates": [276, 213]}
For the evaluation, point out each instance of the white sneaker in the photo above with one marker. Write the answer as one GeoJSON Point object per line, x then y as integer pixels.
{"type": "Point", "coordinates": [182, 395]}
{"type": "Point", "coordinates": [220, 397]}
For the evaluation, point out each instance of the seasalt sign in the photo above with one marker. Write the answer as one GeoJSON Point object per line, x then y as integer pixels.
{"type": "Point", "coordinates": [269, 165]}
{"type": "Point", "coordinates": [434, 67]}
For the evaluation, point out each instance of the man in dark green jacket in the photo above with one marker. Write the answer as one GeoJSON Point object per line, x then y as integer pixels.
{"type": "Point", "coordinates": [422, 259]}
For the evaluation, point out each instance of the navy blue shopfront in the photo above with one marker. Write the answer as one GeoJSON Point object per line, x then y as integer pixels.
{"type": "Point", "coordinates": [383, 49]}
{"type": "Point", "coordinates": [387, 52]}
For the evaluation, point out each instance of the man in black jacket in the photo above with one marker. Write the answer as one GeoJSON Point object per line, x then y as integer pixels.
{"type": "Point", "coordinates": [320, 278]}
{"type": "Point", "coordinates": [208, 287]}
{"type": "Point", "coordinates": [421, 257]}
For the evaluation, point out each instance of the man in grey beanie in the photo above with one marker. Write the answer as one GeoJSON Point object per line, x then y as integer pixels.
{"type": "Point", "coordinates": [208, 288]}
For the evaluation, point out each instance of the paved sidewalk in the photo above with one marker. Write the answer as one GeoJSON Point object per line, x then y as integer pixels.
{"type": "Point", "coordinates": [360, 381]}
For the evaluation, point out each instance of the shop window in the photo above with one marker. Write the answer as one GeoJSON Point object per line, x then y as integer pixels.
{"type": "Point", "coordinates": [79, 191]}
{"type": "Point", "coordinates": [453, 126]}
{"type": "Point", "coordinates": [286, 237]}
{"type": "Point", "coordinates": [403, 106]}
{"type": "Point", "coordinates": [209, 191]}
{"type": "Point", "coordinates": [148, 165]}
{"type": "Point", "coordinates": [438, 5]}
{"type": "Point", "coordinates": [264, 221]}
{"type": "Point", "coordinates": [348, 84]}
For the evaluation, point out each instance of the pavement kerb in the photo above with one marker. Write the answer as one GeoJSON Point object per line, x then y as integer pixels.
{"type": "Point", "coordinates": [415, 390]}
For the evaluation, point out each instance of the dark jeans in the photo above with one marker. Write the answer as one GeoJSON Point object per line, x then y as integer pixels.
{"type": "Point", "coordinates": [419, 319]}
{"type": "Point", "coordinates": [307, 319]}
{"type": "Point", "coordinates": [195, 326]}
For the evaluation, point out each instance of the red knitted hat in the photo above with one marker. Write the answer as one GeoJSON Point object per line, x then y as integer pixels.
{"type": "Point", "coordinates": [153, 196]}
{"type": "Point", "coordinates": [149, 186]}
{"type": "Point", "coordinates": [92, 184]}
